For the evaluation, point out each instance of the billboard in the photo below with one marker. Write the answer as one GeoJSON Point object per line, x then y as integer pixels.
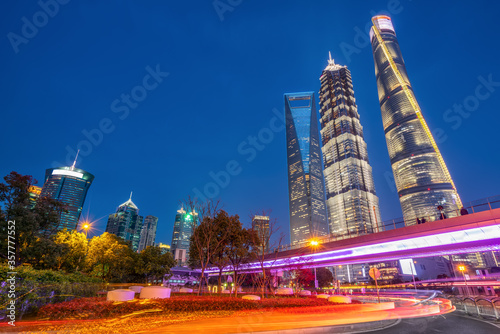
{"type": "Point", "coordinates": [407, 267]}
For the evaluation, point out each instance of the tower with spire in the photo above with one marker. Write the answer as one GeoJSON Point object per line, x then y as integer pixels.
{"type": "Point", "coordinates": [126, 223]}
{"type": "Point", "coordinates": [350, 192]}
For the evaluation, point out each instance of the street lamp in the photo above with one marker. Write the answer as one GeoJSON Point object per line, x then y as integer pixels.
{"type": "Point", "coordinates": [462, 269]}
{"type": "Point", "coordinates": [86, 227]}
{"type": "Point", "coordinates": [314, 244]}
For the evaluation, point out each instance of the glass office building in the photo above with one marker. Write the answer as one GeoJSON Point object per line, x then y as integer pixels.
{"type": "Point", "coordinates": [422, 178]}
{"type": "Point", "coordinates": [181, 236]}
{"type": "Point", "coordinates": [69, 186]}
{"type": "Point", "coordinates": [350, 192]}
{"type": "Point", "coordinates": [148, 233]}
{"type": "Point", "coordinates": [126, 223]}
{"type": "Point", "coordinates": [260, 224]}
{"type": "Point", "coordinates": [306, 188]}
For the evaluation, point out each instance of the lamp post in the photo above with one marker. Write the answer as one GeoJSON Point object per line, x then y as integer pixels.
{"type": "Point", "coordinates": [462, 269]}
{"type": "Point", "coordinates": [314, 244]}
{"type": "Point", "coordinates": [86, 227]}
{"type": "Point", "coordinates": [413, 275]}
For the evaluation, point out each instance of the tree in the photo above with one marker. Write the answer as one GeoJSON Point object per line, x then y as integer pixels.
{"type": "Point", "coordinates": [239, 246]}
{"type": "Point", "coordinates": [324, 276]}
{"type": "Point", "coordinates": [154, 263]}
{"type": "Point", "coordinates": [110, 257]}
{"type": "Point", "coordinates": [208, 237]}
{"type": "Point", "coordinates": [32, 224]}
{"type": "Point", "coordinates": [261, 240]}
{"type": "Point", "coordinates": [77, 246]}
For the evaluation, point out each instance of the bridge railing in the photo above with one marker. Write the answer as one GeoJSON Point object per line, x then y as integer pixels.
{"type": "Point", "coordinates": [479, 306]}
{"type": "Point", "coordinates": [485, 204]}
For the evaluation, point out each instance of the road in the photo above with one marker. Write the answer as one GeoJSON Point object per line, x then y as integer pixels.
{"type": "Point", "coordinates": [449, 323]}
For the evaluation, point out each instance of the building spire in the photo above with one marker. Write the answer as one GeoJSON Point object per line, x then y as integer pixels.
{"type": "Point", "coordinates": [74, 162]}
{"type": "Point", "coordinates": [331, 64]}
{"type": "Point", "coordinates": [130, 196]}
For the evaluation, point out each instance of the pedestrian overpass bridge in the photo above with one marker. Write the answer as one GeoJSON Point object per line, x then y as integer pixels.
{"type": "Point", "coordinates": [464, 234]}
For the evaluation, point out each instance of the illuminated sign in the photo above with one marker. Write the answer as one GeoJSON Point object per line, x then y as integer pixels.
{"type": "Point", "coordinates": [407, 267]}
{"type": "Point", "coordinates": [67, 172]}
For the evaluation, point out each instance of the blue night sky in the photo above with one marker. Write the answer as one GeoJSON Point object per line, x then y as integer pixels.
{"type": "Point", "coordinates": [217, 79]}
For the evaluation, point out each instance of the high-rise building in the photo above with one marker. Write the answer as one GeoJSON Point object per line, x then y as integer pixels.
{"type": "Point", "coordinates": [148, 233]}
{"type": "Point", "coordinates": [181, 237]}
{"type": "Point", "coordinates": [422, 178]}
{"type": "Point", "coordinates": [306, 187]}
{"type": "Point", "coordinates": [68, 185]}
{"type": "Point", "coordinates": [126, 223]}
{"type": "Point", "coordinates": [260, 224]}
{"type": "Point", "coordinates": [350, 192]}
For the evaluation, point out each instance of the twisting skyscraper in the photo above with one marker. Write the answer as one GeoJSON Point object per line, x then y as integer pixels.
{"type": "Point", "coordinates": [306, 189]}
{"type": "Point", "coordinates": [350, 192]}
{"type": "Point", "coordinates": [421, 176]}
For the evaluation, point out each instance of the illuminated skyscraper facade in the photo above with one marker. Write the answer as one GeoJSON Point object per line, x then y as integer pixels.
{"type": "Point", "coordinates": [422, 178]}
{"type": "Point", "coordinates": [148, 233]}
{"type": "Point", "coordinates": [126, 223]}
{"type": "Point", "coordinates": [350, 192]}
{"type": "Point", "coordinates": [306, 188]}
{"type": "Point", "coordinates": [181, 236]}
{"type": "Point", "coordinates": [68, 185]}
{"type": "Point", "coordinates": [260, 224]}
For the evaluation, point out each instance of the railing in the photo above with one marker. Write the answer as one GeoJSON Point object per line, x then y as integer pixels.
{"type": "Point", "coordinates": [477, 306]}
{"type": "Point", "coordinates": [481, 205]}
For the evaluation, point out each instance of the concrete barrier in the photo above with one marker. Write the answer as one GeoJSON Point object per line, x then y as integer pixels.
{"type": "Point", "coordinates": [284, 291]}
{"type": "Point", "coordinates": [340, 299]}
{"type": "Point", "coordinates": [186, 290]}
{"type": "Point", "coordinates": [120, 295]}
{"type": "Point", "coordinates": [378, 306]}
{"type": "Point", "coordinates": [136, 288]}
{"type": "Point", "coordinates": [250, 297]}
{"type": "Point", "coordinates": [323, 296]}
{"type": "Point", "coordinates": [155, 292]}
{"type": "Point", "coordinates": [305, 293]}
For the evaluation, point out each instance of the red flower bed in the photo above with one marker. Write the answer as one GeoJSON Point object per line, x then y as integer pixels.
{"type": "Point", "coordinates": [98, 307]}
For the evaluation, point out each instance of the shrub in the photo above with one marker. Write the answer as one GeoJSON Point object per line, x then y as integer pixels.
{"type": "Point", "coordinates": [35, 288]}
{"type": "Point", "coordinates": [98, 307]}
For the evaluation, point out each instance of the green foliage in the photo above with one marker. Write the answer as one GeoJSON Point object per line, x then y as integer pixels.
{"type": "Point", "coordinates": [154, 264]}
{"type": "Point", "coordinates": [324, 277]}
{"type": "Point", "coordinates": [76, 246]}
{"type": "Point", "coordinates": [33, 224]}
{"type": "Point", "coordinates": [35, 288]}
{"type": "Point", "coordinates": [110, 257]}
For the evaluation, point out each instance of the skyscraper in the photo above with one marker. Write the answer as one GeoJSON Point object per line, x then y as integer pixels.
{"type": "Point", "coordinates": [260, 224]}
{"type": "Point", "coordinates": [126, 223]}
{"type": "Point", "coordinates": [148, 233]}
{"type": "Point", "coordinates": [422, 178]}
{"type": "Point", "coordinates": [306, 188]}
{"type": "Point", "coordinates": [68, 185]}
{"type": "Point", "coordinates": [350, 192]}
{"type": "Point", "coordinates": [181, 236]}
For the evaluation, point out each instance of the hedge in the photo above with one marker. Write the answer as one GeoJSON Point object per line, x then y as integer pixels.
{"type": "Point", "coordinates": [36, 288]}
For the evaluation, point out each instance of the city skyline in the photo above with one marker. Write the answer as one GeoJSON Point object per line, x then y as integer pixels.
{"type": "Point", "coordinates": [45, 81]}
